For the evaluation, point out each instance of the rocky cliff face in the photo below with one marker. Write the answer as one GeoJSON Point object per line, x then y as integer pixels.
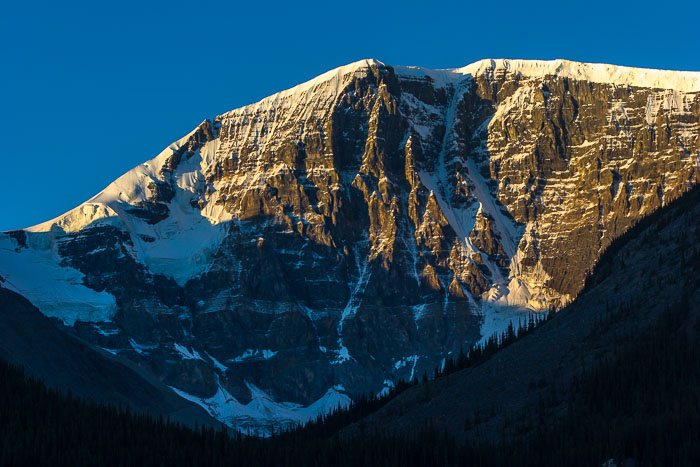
{"type": "Point", "coordinates": [358, 228]}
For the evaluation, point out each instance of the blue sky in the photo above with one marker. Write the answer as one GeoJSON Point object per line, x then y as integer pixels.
{"type": "Point", "coordinates": [90, 90]}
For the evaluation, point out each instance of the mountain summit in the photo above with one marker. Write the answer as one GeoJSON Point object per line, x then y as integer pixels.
{"type": "Point", "coordinates": [356, 229]}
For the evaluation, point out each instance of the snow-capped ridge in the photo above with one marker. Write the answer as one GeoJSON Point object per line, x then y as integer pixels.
{"type": "Point", "coordinates": [334, 79]}
{"type": "Point", "coordinates": [686, 81]}
{"type": "Point", "coordinates": [129, 188]}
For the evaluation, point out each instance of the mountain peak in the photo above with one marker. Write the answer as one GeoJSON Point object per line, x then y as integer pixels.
{"type": "Point", "coordinates": [333, 80]}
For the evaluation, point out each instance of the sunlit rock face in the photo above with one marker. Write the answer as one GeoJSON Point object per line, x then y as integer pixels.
{"type": "Point", "coordinates": [357, 229]}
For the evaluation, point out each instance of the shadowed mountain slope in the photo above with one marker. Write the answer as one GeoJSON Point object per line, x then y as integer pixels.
{"type": "Point", "coordinates": [66, 363]}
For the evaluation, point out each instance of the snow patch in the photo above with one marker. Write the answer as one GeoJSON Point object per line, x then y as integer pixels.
{"type": "Point", "coordinates": [254, 354]}
{"type": "Point", "coordinates": [105, 332]}
{"type": "Point", "coordinates": [140, 348]}
{"type": "Point", "coordinates": [342, 354]}
{"type": "Point", "coordinates": [219, 366]}
{"type": "Point", "coordinates": [263, 413]}
{"type": "Point", "coordinates": [187, 354]}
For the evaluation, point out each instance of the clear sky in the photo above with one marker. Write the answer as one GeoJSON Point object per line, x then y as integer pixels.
{"type": "Point", "coordinates": [90, 90]}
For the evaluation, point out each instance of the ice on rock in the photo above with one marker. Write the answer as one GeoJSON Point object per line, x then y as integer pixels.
{"type": "Point", "coordinates": [56, 290]}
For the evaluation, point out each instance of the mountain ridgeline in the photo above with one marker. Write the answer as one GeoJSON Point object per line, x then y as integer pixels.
{"type": "Point", "coordinates": [360, 228]}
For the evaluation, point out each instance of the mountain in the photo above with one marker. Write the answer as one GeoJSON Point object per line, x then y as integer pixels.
{"type": "Point", "coordinates": [360, 228]}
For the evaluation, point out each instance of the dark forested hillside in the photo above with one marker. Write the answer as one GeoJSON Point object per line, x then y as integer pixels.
{"type": "Point", "coordinates": [613, 376]}
{"type": "Point", "coordinates": [62, 360]}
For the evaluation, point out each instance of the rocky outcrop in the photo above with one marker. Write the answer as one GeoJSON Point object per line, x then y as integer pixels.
{"type": "Point", "coordinates": [358, 228]}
